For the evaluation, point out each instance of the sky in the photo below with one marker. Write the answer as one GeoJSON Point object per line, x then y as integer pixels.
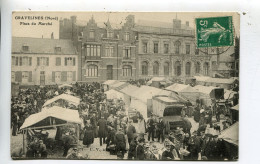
{"type": "Point", "coordinates": [19, 29]}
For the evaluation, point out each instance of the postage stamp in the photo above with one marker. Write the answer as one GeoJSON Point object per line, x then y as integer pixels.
{"type": "Point", "coordinates": [214, 32]}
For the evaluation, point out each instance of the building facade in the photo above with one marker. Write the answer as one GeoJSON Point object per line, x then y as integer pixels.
{"type": "Point", "coordinates": [169, 51]}
{"type": "Point", "coordinates": [106, 53]}
{"type": "Point", "coordinates": [137, 50]}
{"type": "Point", "coordinates": [41, 61]}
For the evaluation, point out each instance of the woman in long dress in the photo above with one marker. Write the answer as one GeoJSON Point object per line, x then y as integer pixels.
{"type": "Point", "coordinates": [88, 134]}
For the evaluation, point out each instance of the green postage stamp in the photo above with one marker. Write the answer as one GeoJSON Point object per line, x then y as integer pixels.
{"type": "Point", "coordinates": [214, 32]}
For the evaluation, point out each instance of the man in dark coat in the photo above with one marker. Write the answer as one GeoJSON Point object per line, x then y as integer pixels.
{"type": "Point", "coordinates": [140, 154]}
{"type": "Point", "coordinates": [102, 123]}
{"type": "Point", "coordinates": [161, 128]}
{"type": "Point", "coordinates": [132, 148]}
{"type": "Point", "coordinates": [151, 128]}
{"type": "Point", "coordinates": [120, 142]}
{"type": "Point", "coordinates": [130, 132]}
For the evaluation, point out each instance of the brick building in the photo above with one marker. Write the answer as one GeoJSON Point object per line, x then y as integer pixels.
{"type": "Point", "coordinates": [41, 61]}
{"type": "Point", "coordinates": [106, 52]}
{"type": "Point", "coordinates": [136, 50]}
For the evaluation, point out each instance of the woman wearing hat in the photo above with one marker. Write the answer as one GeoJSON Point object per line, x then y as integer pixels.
{"type": "Point", "coordinates": [88, 134]}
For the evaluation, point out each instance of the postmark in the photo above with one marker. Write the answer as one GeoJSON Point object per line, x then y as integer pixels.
{"type": "Point", "coordinates": [214, 32]}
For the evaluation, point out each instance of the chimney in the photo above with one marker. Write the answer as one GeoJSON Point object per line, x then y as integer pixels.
{"type": "Point", "coordinates": [52, 36]}
{"type": "Point", "coordinates": [176, 24]}
{"type": "Point", "coordinates": [187, 23]}
{"type": "Point", "coordinates": [73, 19]}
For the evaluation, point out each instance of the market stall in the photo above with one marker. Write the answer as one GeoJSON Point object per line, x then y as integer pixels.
{"type": "Point", "coordinates": [230, 139]}
{"type": "Point", "coordinates": [51, 118]}
{"type": "Point", "coordinates": [113, 94]}
{"type": "Point", "coordinates": [62, 100]}
{"type": "Point", "coordinates": [185, 90]}
{"type": "Point", "coordinates": [108, 83]}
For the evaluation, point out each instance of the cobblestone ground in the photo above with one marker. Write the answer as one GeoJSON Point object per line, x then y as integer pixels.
{"type": "Point", "coordinates": [95, 151]}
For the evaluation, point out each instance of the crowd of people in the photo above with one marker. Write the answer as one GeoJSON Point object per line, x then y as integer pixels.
{"type": "Point", "coordinates": [108, 121]}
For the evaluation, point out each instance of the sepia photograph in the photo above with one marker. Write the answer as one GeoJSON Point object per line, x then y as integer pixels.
{"type": "Point", "coordinates": [125, 86]}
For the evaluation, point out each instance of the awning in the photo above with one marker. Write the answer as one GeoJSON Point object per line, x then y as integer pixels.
{"type": "Point", "coordinates": [68, 115]}
{"type": "Point", "coordinates": [65, 85]}
{"type": "Point", "coordinates": [113, 94]}
{"type": "Point", "coordinates": [72, 99]}
{"type": "Point", "coordinates": [230, 134]}
{"type": "Point", "coordinates": [109, 82]}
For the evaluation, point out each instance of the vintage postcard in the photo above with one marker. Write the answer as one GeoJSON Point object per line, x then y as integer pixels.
{"type": "Point", "coordinates": [125, 85]}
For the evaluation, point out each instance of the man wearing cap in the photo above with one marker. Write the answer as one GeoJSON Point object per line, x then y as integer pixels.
{"type": "Point", "coordinates": [140, 154]}
{"type": "Point", "coordinates": [120, 142]}
{"type": "Point", "coordinates": [161, 129]}
{"type": "Point", "coordinates": [151, 127]}
{"type": "Point", "coordinates": [132, 148]}
{"type": "Point", "coordinates": [102, 129]}
{"type": "Point", "coordinates": [130, 131]}
{"type": "Point", "coordinates": [167, 154]}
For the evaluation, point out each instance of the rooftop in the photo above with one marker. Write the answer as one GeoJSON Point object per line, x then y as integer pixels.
{"type": "Point", "coordinates": [42, 45]}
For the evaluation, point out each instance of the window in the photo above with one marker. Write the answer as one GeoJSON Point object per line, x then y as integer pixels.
{"type": "Point", "coordinates": [197, 51]}
{"type": "Point", "coordinates": [177, 68]}
{"type": "Point", "coordinates": [177, 47]}
{"type": "Point", "coordinates": [22, 61]}
{"type": "Point", "coordinates": [187, 68]}
{"type": "Point", "coordinates": [109, 51]}
{"type": "Point", "coordinates": [127, 70]}
{"type": "Point", "coordinates": [92, 71]}
{"type": "Point", "coordinates": [144, 68]}
{"type": "Point", "coordinates": [187, 49]}
{"type": "Point", "coordinates": [166, 69]}
{"type": "Point", "coordinates": [127, 36]}
{"type": "Point", "coordinates": [109, 34]}
{"type": "Point", "coordinates": [145, 47]}
{"type": "Point", "coordinates": [13, 76]}
{"type": "Point", "coordinates": [127, 52]}
{"type": "Point", "coordinates": [57, 49]}
{"type": "Point", "coordinates": [206, 68]}
{"type": "Point", "coordinates": [155, 48]}
{"type": "Point", "coordinates": [155, 68]}
{"type": "Point", "coordinates": [42, 61]}
{"type": "Point", "coordinates": [16, 61]}
{"type": "Point", "coordinates": [93, 50]}
{"type": "Point", "coordinates": [166, 48]}
{"type": "Point", "coordinates": [91, 34]}
{"type": "Point", "coordinates": [13, 60]}
{"type": "Point", "coordinates": [197, 67]}
{"type": "Point", "coordinates": [25, 48]}
{"type": "Point", "coordinates": [58, 61]}
{"type": "Point", "coordinates": [69, 61]}
{"type": "Point", "coordinates": [69, 76]}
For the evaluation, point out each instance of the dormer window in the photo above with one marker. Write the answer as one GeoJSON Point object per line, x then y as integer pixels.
{"type": "Point", "coordinates": [57, 49]}
{"type": "Point", "coordinates": [127, 36]}
{"type": "Point", "coordinates": [25, 48]}
{"type": "Point", "coordinates": [91, 34]}
{"type": "Point", "coordinates": [109, 34]}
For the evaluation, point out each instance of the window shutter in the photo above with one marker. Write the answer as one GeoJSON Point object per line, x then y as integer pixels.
{"type": "Point", "coordinates": [18, 76]}
{"type": "Point", "coordinates": [57, 62]}
{"type": "Point", "coordinates": [53, 76]}
{"type": "Point", "coordinates": [30, 61]}
{"type": "Point", "coordinates": [30, 76]}
{"type": "Point", "coordinates": [65, 61]}
{"type": "Point", "coordinates": [21, 61]}
{"type": "Point", "coordinates": [74, 62]}
{"type": "Point", "coordinates": [47, 61]}
{"type": "Point", "coordinates": [132, 52]}
{"type": "Point", "coordinates": [74, 76]}
{"type": "Point", "coordinates": [38, 61]}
